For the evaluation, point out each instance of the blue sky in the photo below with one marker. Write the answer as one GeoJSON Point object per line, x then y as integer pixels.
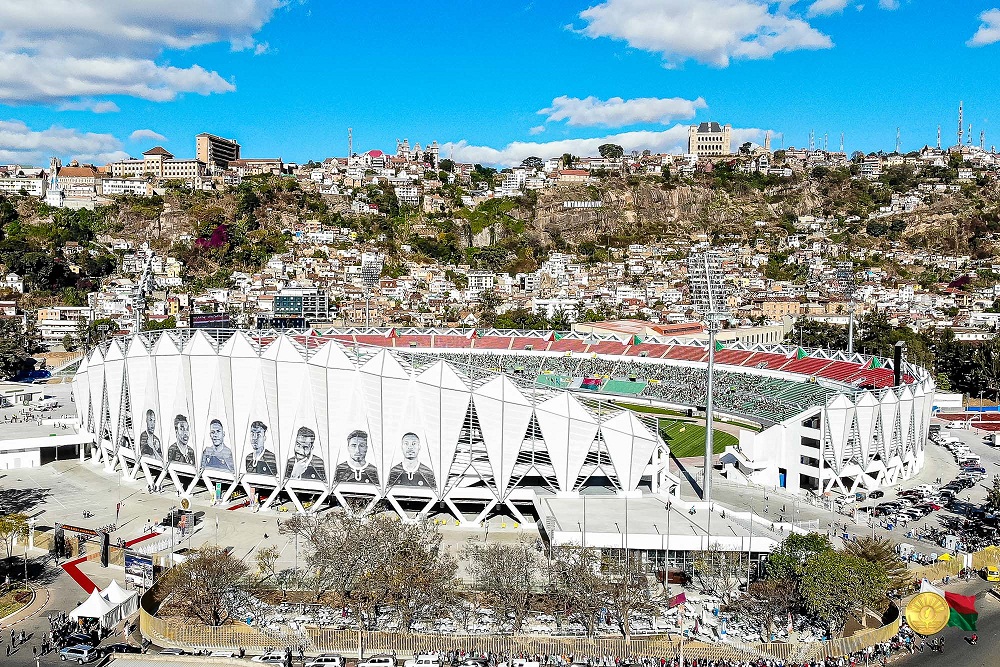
{"type": "Point", "coordinates": [492, 82]}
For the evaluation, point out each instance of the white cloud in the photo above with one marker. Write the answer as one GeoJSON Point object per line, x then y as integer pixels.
{"type": "Point", "coordinates": [20, 144]}
{"type": "Point", "coordinates": [617, 112]}
{"type": "Point", "coordinates": [538, 129]}
{"type": "Point", "coordinates": [989, 30]}
{"type": "Point", "coordinates": [70, 51]}
{"type": "Point", "coordinates": [889, 4]}
{"type": "Point", "coordinates": [827, 7]}
{"type": "Point", "coordinates": [90, 105]}
{"type": "Point", "coordinates": [671, 140]}
{"type": "Point", "coordinates": [709, 31]}
{"type": "Point", "coordinates": [146, 135]}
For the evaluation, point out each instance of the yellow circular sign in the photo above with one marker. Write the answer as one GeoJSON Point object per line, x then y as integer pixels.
{"type": "Point", "coordinates": [185, 503]}
{"type": "Point", "coordinates": [927, 613]}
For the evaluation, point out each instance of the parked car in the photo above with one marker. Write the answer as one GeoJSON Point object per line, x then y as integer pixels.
{"type": "Point", "coordinates": [172, 651]}
{"type": "Point", "coordinates": [79, 654]}
{"type": "Point", "coordinates": [120, 648]}
{"type": "Point", "coordinates": [270, 658]}
{"type": "Point", "coordinates": [326, 660]}
{"type": "Point", "coordinates": [424, 660]}
{"type": "Point", "coordinates": [876, 494]}
{"type": "Point", "coordinates": [381, 660]}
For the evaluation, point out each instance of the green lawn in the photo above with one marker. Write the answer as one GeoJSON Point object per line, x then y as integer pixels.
{"type": "Point", "coordinates": [687, 439]}
{"type": "Point", "coordinates": [653, 410]}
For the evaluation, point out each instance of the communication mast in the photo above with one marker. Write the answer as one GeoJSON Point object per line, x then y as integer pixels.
{"type": "Point", "coordinates": [841, 142]}
{"type": "Point", "coordinates": [898, 144]}
{"type": "Point", "coordinates": [708, 295]}
{"type": "Point", "coordinates": [961, 124]}
{"type": "Point", "coordinates": [849, 287]}
{"type": "Point", "coordinates": [812, 140]}
{"type": "Point", "coordinates": [982, 139]}
{"type": "Point", "coordinates": [939, 138]}
{"type": "Point", "coordinates": [350, 145]}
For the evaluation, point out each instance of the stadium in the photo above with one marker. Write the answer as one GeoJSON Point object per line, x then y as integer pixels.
{"type": "Point", "coordinates": [474, 421]}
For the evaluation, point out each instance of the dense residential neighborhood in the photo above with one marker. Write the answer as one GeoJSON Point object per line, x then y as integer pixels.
{"type": "Point", "coordinates": [415, 239]}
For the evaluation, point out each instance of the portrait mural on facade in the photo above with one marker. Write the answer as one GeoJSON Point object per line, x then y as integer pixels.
{"type": "Point", "coordinates": [181, 450]}
{"type": "Point", "coordinates": [305, 463]}
{"type": "Point", "coordinates": [356, 467]}
{"type": "Point", "coordinates": [217, 455]}
{"type": "Point", "coordinates": [260, 460]}
{"type": "Point", "coordinates": [410, 471]}
{"type": "Point", "coordinates": [149, 442]}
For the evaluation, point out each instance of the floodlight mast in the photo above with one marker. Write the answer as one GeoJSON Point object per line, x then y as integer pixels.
{"type": "Point", "coordinates": [708, 295]}
{"type": "Point", "coordinates": [845, 276]}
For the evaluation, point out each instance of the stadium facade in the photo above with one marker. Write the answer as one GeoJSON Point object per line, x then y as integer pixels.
{"type": "Point", "coordinates": [469, 420]}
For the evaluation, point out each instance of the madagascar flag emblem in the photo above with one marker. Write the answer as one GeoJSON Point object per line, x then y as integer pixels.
{"type": "Point", "coordinates": [963, 611]}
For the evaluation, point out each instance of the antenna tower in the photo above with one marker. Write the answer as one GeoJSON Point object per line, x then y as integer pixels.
{"type": "Point", "coordinates": [960, 124]}
{"type": "Point", "coordinates": [841, 142]}
{"type": "Point", "coordinates": [848, 286]}
{"type": "Point", "coordinates": [350, 144]}
{"type": "Point", "coordinates": [812, 140]}
{"type": "Point", "coordinates": [898, 144]}
{"type": "Point", "coordinates": [826, 142]}
{"type": "Point", "coordinates": [982, 139]}
{"type": "Point", "coordinates": [939, 138]}
{"type": "Point", "coordinates": [970, 134]}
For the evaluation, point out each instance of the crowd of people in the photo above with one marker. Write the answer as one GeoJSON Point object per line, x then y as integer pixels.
{"type": "Point", "coordinates": [772, 399]}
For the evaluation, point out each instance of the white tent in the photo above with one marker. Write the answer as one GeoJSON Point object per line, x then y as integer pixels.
{"type": "Point", "coordinates": [125, 602]}
{"type": "Point", "coordinates": [96, 607]}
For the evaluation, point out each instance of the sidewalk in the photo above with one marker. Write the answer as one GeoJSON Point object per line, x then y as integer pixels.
{"type": "Point", "coordinates": [36, 606]}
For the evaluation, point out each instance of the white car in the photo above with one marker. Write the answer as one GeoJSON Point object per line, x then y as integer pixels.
{"type": "Point", "coordinates": [326, 660]}
{"type": "Point", "coordinates": [272, 658]}
{"type": "Point", "coordinates": [956, 425]}
{"type": "Point", "coordinates": [381, 660]}
{"type": "Point", "coordinates": [424, 660]}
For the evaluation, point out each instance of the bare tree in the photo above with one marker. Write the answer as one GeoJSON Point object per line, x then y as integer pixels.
{"type": "Point", "coordinates": [627, 590]}
{"type": "Point", "coordinates": [504, 576]}
{"type": "Point", "coordinates": [208, 586]}
{"type": "Point", "coordinates": [576, 587]}
{"type": "Point", "coordinates": [375, 561]}
{"type": "Point", "coordinates": [764, 601]}
{"type": "Point", "coordinates": [719, 571]}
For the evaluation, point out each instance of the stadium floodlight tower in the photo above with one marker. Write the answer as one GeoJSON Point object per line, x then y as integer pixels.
{"type": "Point", "coordinates": [371, 271]}
{"type": "Point", "coordinates": [849, 287]}
{"type": "Point", "coordinates": [708, 294]}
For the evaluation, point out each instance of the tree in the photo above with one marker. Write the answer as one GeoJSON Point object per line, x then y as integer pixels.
{"type": "Point", "coordinates": [745, 148]}
{"type": "Point", "coordinates": [766, 600]}
{"type": "Point", "coordinates": [208, 586]}
{"type": "Point", "coordinates": [882, 552]}
{"type": "Point", "coordinates": [784, 562]}
{"type": "Point", "coordinates": [719, 571]}
{"type": "Point", "coordinates": [611, 151]}
{"type": "Point", "coordinates": [836, 586]}
{"type": "Point", "coordinates": [16, 347]}
{"type": "Point", "coordinates": [12, 527]}
{"type": "Point", "coordinates": [627, 592]}
{"type": "Point", "coordinates": [377, 561]}
{"type": "Point", "coordinates": [576, 589]}
{"type": "Point", "coordinates": [993, 496]}
{"type": "Point", "coordinates": [533, 162]}
{"type": "Point", "coordinates": [504, 576]}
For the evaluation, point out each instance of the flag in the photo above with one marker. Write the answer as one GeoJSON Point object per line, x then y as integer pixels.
{"type": "Point", "coordinates": [677, 600]}
{"type": "Point", "coordinates": [636, 340]}
{"type": "Point", "coordinates": [118, 510]}
{"type": "Point", "coordinates": [963, 610]}
{"type": "Point", "coordinates": [800, 354]}
{"type": "Point", "coordinates": [790, 626]}
{"type": "Point", "coordinates": [719, 347]}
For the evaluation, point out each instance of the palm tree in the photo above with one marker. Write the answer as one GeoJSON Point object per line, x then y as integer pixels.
{"type": "Point", "coordinates": [882, 552]}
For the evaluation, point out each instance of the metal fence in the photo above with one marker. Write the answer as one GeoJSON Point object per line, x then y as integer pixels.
{"type": "Point", "coordinates": [166, 632]}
